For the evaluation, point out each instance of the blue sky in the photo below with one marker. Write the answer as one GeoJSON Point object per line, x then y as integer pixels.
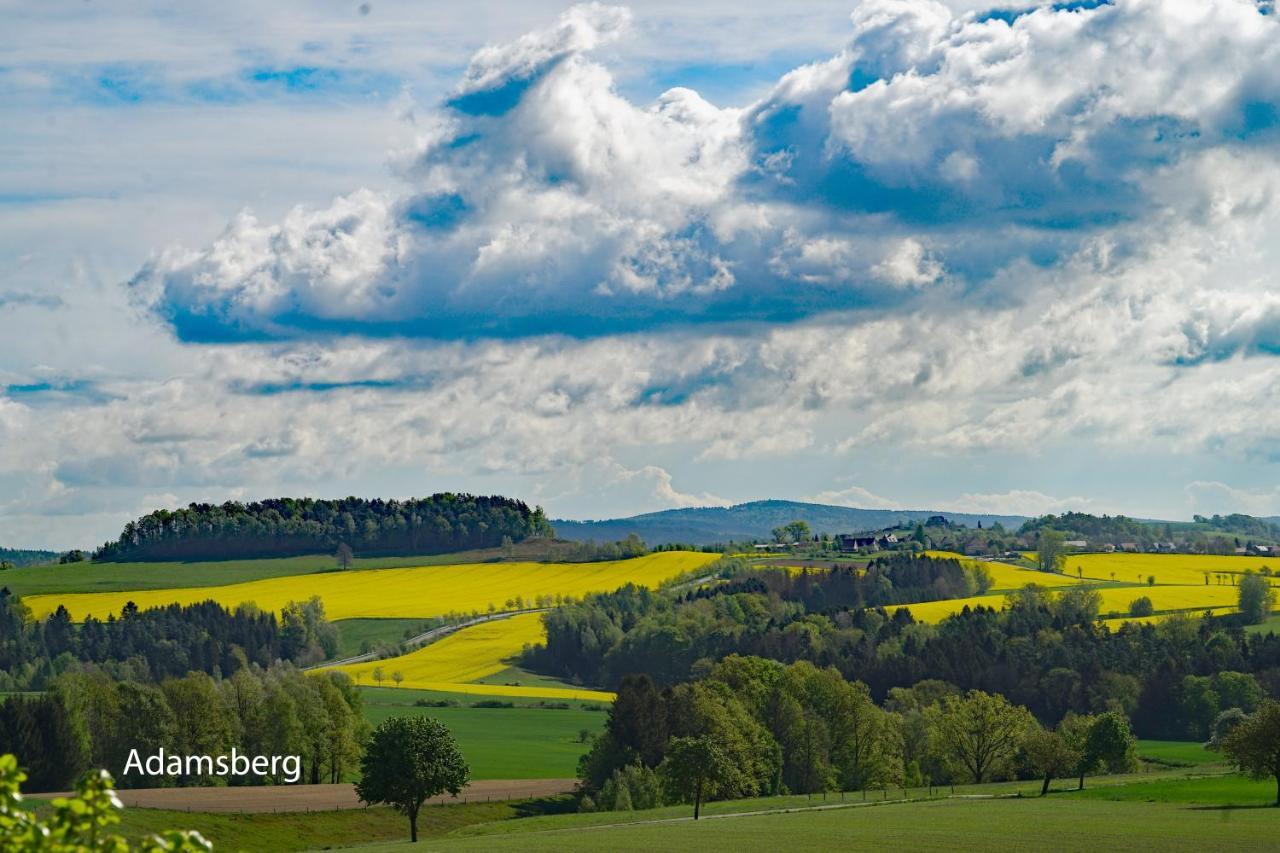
{"type": "Point", "coordinates": [1007, 257]}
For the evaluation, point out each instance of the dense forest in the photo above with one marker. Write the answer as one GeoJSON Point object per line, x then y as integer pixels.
{"type": "Point", "coordinates": [752, 726]}
{"type": "Point", "coordinates": [284, 527]}
{"type": "Point", "coordinates": [1044, 651]}
{"type": "Point", "coordinates": [89, 719]}
{"type": "Point", "coordinates": [163, 642]}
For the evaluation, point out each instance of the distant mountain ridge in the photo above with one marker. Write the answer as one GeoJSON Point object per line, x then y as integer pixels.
{"type": "Point", "coordinates": [755, 520]}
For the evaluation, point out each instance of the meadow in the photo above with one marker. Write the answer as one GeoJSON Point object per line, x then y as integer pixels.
{"type": "Point", "coordinates": [417, 592]}
{"type": "Point", "coordinates": [1070, 821]}
{"type": "Point", "coordinates": [353, 634]}
{"type": "Point", "coordinates": [114, 577]}
{"type": "Point", "coordinates": [1161, 809]}
{"type": "Point", "coordinates": [471, 654]}
{"type": "Point", "coordinates": [526, 741]}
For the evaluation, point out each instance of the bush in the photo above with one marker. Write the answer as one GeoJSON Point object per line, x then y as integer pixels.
{"type": "Point", "coordinates": [1141, 606]}
{"type": "Point", "coordinates": [492, 703]}
{"type": "Point", "coordinates": [76, 823]}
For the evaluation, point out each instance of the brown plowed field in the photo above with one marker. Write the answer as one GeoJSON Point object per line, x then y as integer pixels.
{"type": "Point", "coordinates": [303, 798]}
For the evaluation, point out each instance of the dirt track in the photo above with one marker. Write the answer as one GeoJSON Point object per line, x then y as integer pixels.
{"type": "Point", "coordinates": [303, 798]}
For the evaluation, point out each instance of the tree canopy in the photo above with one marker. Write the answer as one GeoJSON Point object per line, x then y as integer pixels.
{"type": "Point", "coordinates": [409, 760]}
{"type": "Point", "coordinates": [283, 527]}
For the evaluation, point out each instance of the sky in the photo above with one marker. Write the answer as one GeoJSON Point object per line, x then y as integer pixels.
{"type": "Point", "coordinates": [996, 257]}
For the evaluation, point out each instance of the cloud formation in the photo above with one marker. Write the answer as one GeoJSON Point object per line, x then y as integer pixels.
{"type": "Point", "coordinates": [934, 147]}
{"type": "Point", "coordinates": [946, 263]}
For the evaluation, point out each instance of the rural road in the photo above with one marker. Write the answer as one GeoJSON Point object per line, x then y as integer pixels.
{"type": "Point", "coordinates": [312, 798]}
{"type": "Point", "coordinates": [430, 636]}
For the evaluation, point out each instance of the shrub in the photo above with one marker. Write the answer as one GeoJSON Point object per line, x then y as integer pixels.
{"type": "Point", "coordinates": [1141, 606]}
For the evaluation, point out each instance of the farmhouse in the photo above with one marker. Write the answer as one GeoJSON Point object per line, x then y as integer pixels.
{"type": "Point", "coordinates": [847, 542]}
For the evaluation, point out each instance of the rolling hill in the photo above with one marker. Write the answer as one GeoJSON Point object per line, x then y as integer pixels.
{"type": "Point", "coordinates": [755, 520]}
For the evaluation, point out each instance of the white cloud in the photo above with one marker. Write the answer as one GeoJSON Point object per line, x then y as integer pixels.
{"type": "Point", "coordinates": [908, 265]}
{"type": "Point", "coordinates": [1216, 498]}
{"type": "Point", "coordinates": [856, 497]}
{"type": "Point", "coordinates": [1086, 278]}
{"type": "Point", "coordinates": [933, 144]}
{"type": "Point", "coordinates": [1020, 502]}
{"type": "Point", "coordinates": [667, 495]}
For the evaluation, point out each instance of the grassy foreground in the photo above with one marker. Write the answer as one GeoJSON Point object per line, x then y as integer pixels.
{"type": "Point", "coordinates": [527, 741]}
{"type": "Point", "coordinates": [310, 830]}
{"type": "Point", "coordinates": [1060, 822]}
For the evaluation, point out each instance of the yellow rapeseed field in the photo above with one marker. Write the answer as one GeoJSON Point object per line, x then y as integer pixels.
{"type": "Point", "coordinates": [469, 654]}
{"type": "Point", "coordinates": [403, 593]}
{"type": "Point", "coordinates": [1186, 569]}
{"type": "Point", "coordinates": [1117, 599]}
{"type": "Point", "coordinates": [1117, 621]}
{"type": "Point", "coordinates": [1195, 599]}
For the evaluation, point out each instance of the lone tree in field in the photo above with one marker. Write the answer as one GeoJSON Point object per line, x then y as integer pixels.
{"type": "Point", "coordinates": [1050, 551]}
{"type": "Point", "coordinates": [980, 733]}
{"type": "Point", "coordinates": [407, 761]}
{"type": "Point", "coordinates": [694, 767]}
{"type": "Point", "coordinates": [378, 675]}
{"type": "Point", "coordinates": [1050, 755]}
{"type": "Point", "coordinates": [344, 555]}
{"type": "Point", "coordinates": [397, 676]}
{"type": "Point", "coordinates": [1100, 741]}
{"type": "Point", "coordinates": [1256, 597]}
{"type": "Point", "coordinates": [1254, 744]}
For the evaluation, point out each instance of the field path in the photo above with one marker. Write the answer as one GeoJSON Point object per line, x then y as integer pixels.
{"type": "Point", "coordinates": [311, 798]}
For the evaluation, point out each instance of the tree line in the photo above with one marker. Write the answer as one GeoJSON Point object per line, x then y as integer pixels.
{"type": "Point", "coordinates": [754, 727]}
{"type": "Point", "coordinates": [12, 558]}
{"type": "Point", "coordinates": [1044, 650]}
{"type": "Point", "coordinates": [283, 527]}
{"type": "Point", "coordinates": [163, 642]}
{"type": "Point", "coordinates": [88, 719]}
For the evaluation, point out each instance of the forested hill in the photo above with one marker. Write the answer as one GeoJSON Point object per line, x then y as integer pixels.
{"type": "Point", "coordinates": [284, 527]}
{"type": "Point", "coordinates": [756, 520]}
{"type": "Point", "coordinates": [22, 557]}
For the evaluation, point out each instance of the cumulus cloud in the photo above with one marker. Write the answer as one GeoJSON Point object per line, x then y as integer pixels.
{"type": "Point", "coordinates": [934, 144]}
{"type": "Point", "coordinates": [856, 497]}
{"type": "Point", "coordinates": [953, 240]}
{"type": "Point", "coordinates": [666, 494]}
{"type": "Point", "coordinates": [1213, 497]}
{"type": "Point", "coordinates": [1020, 502]}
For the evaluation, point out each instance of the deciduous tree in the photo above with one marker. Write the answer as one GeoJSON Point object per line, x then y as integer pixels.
{"type": "Point", "coordinates": [1254, 744]}
{"type": "Point", "coordinates": [407, 761]}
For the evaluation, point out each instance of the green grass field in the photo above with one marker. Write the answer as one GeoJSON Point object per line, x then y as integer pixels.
{"type": "Point", "coordinates": [523, 742]}
{"type": "Point", "coordinates": [1230, 790]}
{"type": "Point", "coordinates": [309, 830]}
{"type": "Point", "coordinates": [1176, 753]}
{"type": "Point", "coordinates": [1267, 626]}
{"type": "Point", "coordinates": [1014, 824]}
{"type": "Point", "coordinates": [115, 577]}
{"type": "Point", "coordinates": [354, 633]}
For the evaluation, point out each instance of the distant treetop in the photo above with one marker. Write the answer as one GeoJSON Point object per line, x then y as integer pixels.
{"type": "Point", "coordinates": [283, 527]}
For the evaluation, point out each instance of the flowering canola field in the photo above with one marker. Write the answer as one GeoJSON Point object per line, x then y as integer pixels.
{"type": "Point", "coordinates": [398, 593]}
{"type": "Point", "coordinates": [469, 654]}
{"type": "Point", "coordinates": [1186, 569]}
{"type": "Point", "coordinates": [1005, 576]}
{"type": "Point", "coordinates": [1179, 583]}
